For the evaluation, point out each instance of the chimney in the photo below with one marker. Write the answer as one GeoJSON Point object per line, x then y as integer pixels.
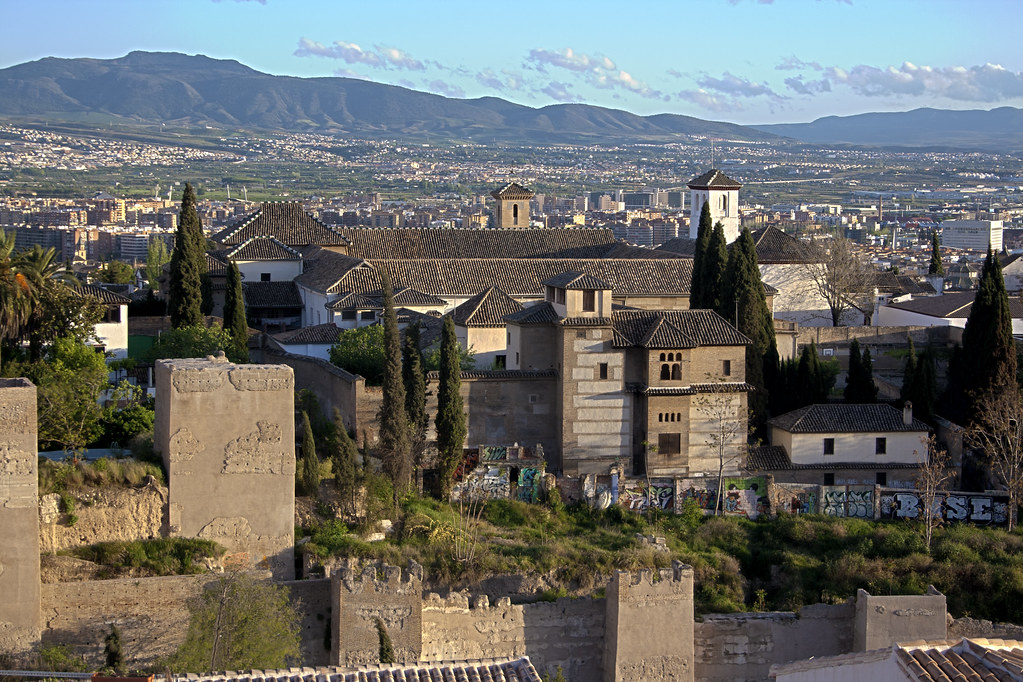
{"type": "Point", "coordinates": [907, 413]}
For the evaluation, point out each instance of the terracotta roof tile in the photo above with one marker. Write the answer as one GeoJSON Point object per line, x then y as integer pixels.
{"type": "Point", "coordinates": [576, 281]}
{"type": "Point", "coordinates": [496, 670]}
{"type": "Point", "coordinates": [775, 246]}
{"type": "Point", "coordinates": [486, 309]}
{"type": "Point", "coordinates": [320, 333]}
{"type": "Point", "coordinates": [427, 243]}
{"type": "Point", "coordinates": [287, 221]}
{"type": "Point", "coordinates": [512, 190]}
{"type": "Point", "coordinates": [354, 301]}
{"type": "Point", "coordinates": [836, 418]}
{"type": "Point", "coordinates": [689, 328]}
{"type": "Point", "coordinates": [262, 248]}
{"type": "Point", "coordinates": [99, 293]}
{"type": "Point", "coordinates": [271, 295]}
{"type": "Point", "coordinates": [714, 179]}
{"type": "Point", "coordinates": [542, 313]}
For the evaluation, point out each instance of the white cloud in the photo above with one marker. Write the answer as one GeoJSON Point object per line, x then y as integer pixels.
{"type": "Point", "coordinates": [597, 71]}
{"type": "Point", "coordinates": [559, 92]}
{"type": "Point", "coordinates": [446, 89]}
{"type": "Point", "coordinates": [708, 100]}
{"type": "Point", "coordinates": [502, 82]}
{"type": "Point", "coordinates": [986, 83]}
{"type": "Point", "coordinates": [351, 53]}
{"type": "Point", "coordinates": [736, 86]}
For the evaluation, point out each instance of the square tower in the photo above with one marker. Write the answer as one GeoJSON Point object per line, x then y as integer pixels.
{"type": "Point", "coordinates": [512, 212]}
{"type": "Point", "coordinates": [721, 193]}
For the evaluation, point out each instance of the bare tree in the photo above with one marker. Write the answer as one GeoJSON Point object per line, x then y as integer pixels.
{"type": "Point", "coordinates": [932, 477]}
{"type": "Point", "coordinates": [839, 276]}
{"type": "Point", "coordinates": [726, 436]}
{"type": "Point", "coordinates": [997, 429]}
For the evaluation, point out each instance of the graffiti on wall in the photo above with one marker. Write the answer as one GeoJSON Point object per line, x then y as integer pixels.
{"type": "Point", "coordinates": [529, 484]}
{"type": "Point", "coordinates": [745, 497]}
{"type": "Point", "coordinates": [493, 453]}
{"type": "Point", "coordinates": [794, 499]}
{"type": "Point", "coordinates": [977, 508]}
{"type": "Point", "coordinates": [704, 499]}
{"type": "Point", "coordinates": [638, 495]}
{"type": "Point", "coordinates": [848, 501]}
{"type": "Point", "coordinates": [488, 483]}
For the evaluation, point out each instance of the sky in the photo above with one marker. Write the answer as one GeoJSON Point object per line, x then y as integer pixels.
{"type": "Point", "coordinates": [742, 61]}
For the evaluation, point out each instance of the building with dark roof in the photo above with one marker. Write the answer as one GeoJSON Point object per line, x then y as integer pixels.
{"type": "Point", "coordinates": [948, 310]}
{"type": "Point", "coordinates": [285, 221]}
{"type": "Point", "coordinates": [512, 211]}
{"type": "Point", "coordinates": [721, 194]}
{"type": "Point", "coordinates": [480, 326]}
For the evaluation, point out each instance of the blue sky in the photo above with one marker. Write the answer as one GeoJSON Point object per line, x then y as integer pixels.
{"type": "Point", "coordinates": [745, 61]}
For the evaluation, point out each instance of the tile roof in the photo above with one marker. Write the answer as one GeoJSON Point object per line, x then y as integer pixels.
{"type": "Point", "coordinates": [692, 389]}
{"type": "Point", "coordinates": [486, 309]}
{"type": "Point", "coordinates": [494, 670]}
{"type": "Point", "coordinates": [324, 270]}
{"type": "Point", "coordinates": [673, 329]}
{"type": "Point", "coordinates": [979, 659]}
{"type": "Point", "coordinates": [775, 246]}
{"type": "Point", "coordinates": [287, 221]}
{"type": "Point", "coordinates": [420, 243]}
{"type": "Point", "coordinates": [512, 190]}
{"type": "Point", "coordinates": [713, 179]}
{"type": "Point", "coordinates": [680, 246]}
{"type": "Point", "coordinates": [632, 251]}
{"type": "Point", "coordinates": [216, 264]}
{"type": "Point", "coordinates": [840, 418]}
{"type": "Point", "coordinates": [952, 305]}
{"type": "Point", "coordinates": [263, 248]}
{"type": "Point", "coordinates": [320, 333]}
{"type": "Point", "coordinates": [406, 296]}
{"type": "Point", "coordinates": [575, 281]}
{"type": "Point", "coordinates": [271, 295]}
{"type": "Point", "coordinates": [99, 293]}
{"type": "Point", "coordinates": [542, 313]}
{"type": "Point", "coordinates": [353, 301]}
{"type": "Point", "coordinates": [768, 458]}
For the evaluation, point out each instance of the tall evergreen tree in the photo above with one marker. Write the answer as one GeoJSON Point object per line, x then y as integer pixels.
{"type": "Point", "coordinates": [415, 393]}
{"type": "Point", "coordinates": [394, 447]}
{"type": "Point", "coordinates": [855, 384]}
{"type": "Point", "coordinates": [936, 267]}
{"type": "Point", "coordinates": [909, 374]}
{"type": "Point", "coordinates": [234, 316]}
{"type": "Point", "coordinates": [344, 461]}
{"type": "Point", "coordinates": [450, 420]}
{"type": "Point", "coordinates": [697, 289]}
{"type": "Point", "coordinates": [712, 268]}
{"type": "Point", "coordinates": [309, 466]}
{"type": "Point", "coordinates": [184, 295]}
{"type": "Point", "coordinates": [989, 354]}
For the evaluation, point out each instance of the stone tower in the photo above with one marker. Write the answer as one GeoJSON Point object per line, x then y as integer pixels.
{"type": "Point", "coordinates": [512, 211]}
{"type": "Point", "coordinates": [227, 435]}
{"type": "Point", "coordinates": [722, 193]}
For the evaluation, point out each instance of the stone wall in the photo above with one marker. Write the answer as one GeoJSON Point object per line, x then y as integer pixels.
{"type": "Point", "coordinates": [104, 514]}
{"type": "Point", "coordinates": [227, 436]}
{"type": "Point", "coordinates": [19, 518]}
{"type": "Point", "coordinates": [873, 336]}
{"type": "Point", "coordinates": [333, 386]}
{"type": "Point", "coordinates": [744, 646]}
{"type": "Point", "coordinates": [904, 618]}
{"type": "Point", "coordinates": [567, 633]}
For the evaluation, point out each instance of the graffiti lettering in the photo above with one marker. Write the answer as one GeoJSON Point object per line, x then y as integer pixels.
{"type": "Point", "coordinates": [981, 509]}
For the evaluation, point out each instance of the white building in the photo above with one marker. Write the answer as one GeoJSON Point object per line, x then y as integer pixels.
{"type": "Point", "coordinates": [949, 310]}
{"type": "Point", "coordinates": [722, 194]}
{"type": "Point", "coordinates": [972, 234]}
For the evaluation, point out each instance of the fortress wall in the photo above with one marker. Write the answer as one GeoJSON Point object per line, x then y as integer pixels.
{"type": "Point", "coordinates": [104, 515]}
{"type": "Point", "coordinates": [567, 633]}
{"type": "Point", "coordinates": [743, 646]}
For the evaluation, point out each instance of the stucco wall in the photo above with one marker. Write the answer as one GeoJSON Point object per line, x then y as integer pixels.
{"type": "Point", "coordinates": [333, 386]}
{"type": "Point", "coordinates": [901, 446]}
{"type": "Point", "coordinates": [280, 271]}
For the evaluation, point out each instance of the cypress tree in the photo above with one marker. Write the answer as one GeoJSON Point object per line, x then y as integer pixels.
{"type": "Point", "coordinates": [184, 294]}
{"type": "Point", "coordinates": [309, 470]}
{"type": "Point", "coordinates": [386, 654]}
{"type": "Point", "coordinates": [394, 426]}
{"type": "Point", "coordinates": [450, 421]}
{"type": "Point", "coordinates": [853, 387]}
{"type": "Point", "coordinates": [712, 268]}
{"type": "Point", "coordinates": [415, 393]}
{"type": "Point", "coordinates": [925, 386]}
{"type": "Point", "coordinates": [234, 315]}
{"type": "Point", "coordinates": [909, 376]}
{"type": "Point", "coordinates": [697, 288]}
{"type": "Point", "coordinates": [868, 387]}
{"type": "Point", "coordinates": [936, 267]}
{"type": "Point", "coordinates": [343, 461]}
{"type": "Point", "coordinates": [989, 354]}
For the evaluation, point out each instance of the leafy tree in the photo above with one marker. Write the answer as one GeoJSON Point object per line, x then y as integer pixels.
{"type": "Point", "coordinates": [240, 623]}
{"type": "Point", "coordinates": [234, 314]}
{"type": "Point", "coordinates": [450, 420]}
{"type": "Point", "coordinates": [394, 449]}
{"type": "Point", "coordinates": [191, 342]}
{"type": "Point", "coordinates": [15, 291]}
{"type": "Point", "coordinates": [919, 382]}
{"type": "Point", "coordinates": [116, 272]}
{"type": "Point", "coordinates": [130, 413]}
{"type": "Point", "coordinates": [697, 290]}
{"type": "Point", "coordinates": [415, 393]}
{"type": "Point", "coordinates": [188, 264]}
{"type": "Point", "coordinates": [466, 359]}
{"type": "Point", "coordinates": [936, 267]}
{"type": "Point", "coordinates": [712, 268]}
{"type": "Point", "coordinates": [361, 351]}
{"type": "Point", "coordinates": [308, 481]}
{"type": "Point", "coordinates": [156, 258]}
{"type": "Point", "coordinates": [61, 311]}
{"type": "Point", "coordinates": [909, 372]}
{"type": "Point", "coordinates": [344, 461]}
{"type": "Point", "coordinates": [860, 388]}
{"type": "Point", "coordinates": [997, 430]}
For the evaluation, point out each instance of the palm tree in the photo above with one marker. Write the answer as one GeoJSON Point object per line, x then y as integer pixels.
{"type": "Point", "coordinates": [16, 302]}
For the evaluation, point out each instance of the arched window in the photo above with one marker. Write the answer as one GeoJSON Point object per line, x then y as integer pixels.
{"type": "Point", "coordinates": [665, 372]}
{"type": "Point", "coordinates": [515, 214]}
{"type": "Point", "coordinates": [724, 204]}
{"type": "Point", "coordinates": [672, 417]}
{"type": "Point", "coordinates": [676, 372]}
{"type": "Point", "coordinates": [671, 357]}
{"type": "Point", "coordinates": [662, 357]}
{"type": "Point", "coordinates": [660, 417]}
{"type": "Point", "coordinates": [679, 415]}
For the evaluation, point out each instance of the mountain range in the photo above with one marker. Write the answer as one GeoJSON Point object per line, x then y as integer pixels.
{"type": "Point", "coordinates": [189, 90]}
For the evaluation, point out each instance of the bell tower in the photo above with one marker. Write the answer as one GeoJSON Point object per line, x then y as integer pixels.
{"type": "Point", "coordinates": [512, 211]}
{"type": "Point", "coordinates": [722, 194]}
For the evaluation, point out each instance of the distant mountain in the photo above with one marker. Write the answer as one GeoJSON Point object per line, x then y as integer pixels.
{"type": "Point", "coordinates": [995, 130]}
{"type": "Point", "coordinates": [154, 87]}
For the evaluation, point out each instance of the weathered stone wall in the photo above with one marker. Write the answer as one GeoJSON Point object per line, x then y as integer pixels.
{"type": "Point", "coordinates": [312, 599]}
{"type": "Point", "coordinates": [104, 514]}
{"type": "Point", "coordinates": [567, 633]}
{"type": "Point", "coordinates": [881, 621]}
{"type": "Point", "coordinates": [744, 646]}
{"type": "Point", "coordinates": [648, 633]}
{"type": "Point", "coordinates": [333, 386]}
{"type": "Point", "coordinates": [227, 436]}
{"type": "Point", "coordinates": [361, 596]}
{"type": "Point", "coordinates": [19, 518]}
{"type": "Point", "coordinates": [873, 336]}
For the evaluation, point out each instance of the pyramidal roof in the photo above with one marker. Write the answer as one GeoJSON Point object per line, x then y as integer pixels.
{"type": "Point", "coordinates": [287, 222]}
{"type": "Point", "coordinates": [512, 190]}
{"type": "Point", "coordinates": [713, 179]}
{"type": "Point", "coordinates": [486, 309]}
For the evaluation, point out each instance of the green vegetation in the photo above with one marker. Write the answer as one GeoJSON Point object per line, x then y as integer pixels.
{"type": "Point", "coordinates": [307, 479]}
{"type": "Point", "coordinates": [450, 420]}
{"type": "Point", "coordinates": [192, 342]}
{"type": "Point", "coordinates": [361, 351]}
{"type": "Point", "coordinates": [187, 266]}
{"type": "Point", "coordinates": [394, 448]}
{"type": "Point", "coordinates": [160, 556]}
{"type": "Point", "coordinates": [61, 477]}
{"type": "Point", "coordinates": [116, 272]}
{"type": "Point", "coordinates": [860, 387]}
{"type": "Point", "coordinates": [234, 315]}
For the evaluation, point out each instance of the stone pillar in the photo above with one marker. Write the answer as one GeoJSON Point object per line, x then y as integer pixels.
{"type": "Point", "coordinates": [227, 436]}
{"type": "Point", "coordinates": [358, 598]}
{"type": "Point", "coordinates": [884, 621]}
{"type": "Point", "coordinates": [649, 626]}
{"type": "Point", "coordinates": [20, 617]}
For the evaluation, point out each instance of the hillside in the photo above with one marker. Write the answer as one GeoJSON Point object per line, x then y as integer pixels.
{"type": "Point", "coordinates": [998, 130]}
{"type": "Point", "coordinates": [152, 87]}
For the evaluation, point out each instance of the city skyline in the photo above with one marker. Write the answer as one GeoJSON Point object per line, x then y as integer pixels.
{"type": "Point", "coordinates": [743, 61]}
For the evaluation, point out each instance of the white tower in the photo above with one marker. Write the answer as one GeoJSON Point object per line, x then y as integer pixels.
{"type": "Point", "coordinates": [722, 194]}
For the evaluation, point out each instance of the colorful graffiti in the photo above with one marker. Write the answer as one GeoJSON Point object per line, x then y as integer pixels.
{"type": "Point", "coordinates": [489, 483]}
{"type": "Point", "coordinates": [705, 499]}
{"type": "Point", "coordinates": [639, 496]}
{"type": "Point", "coordinates": [793, 498]}
{"type": "Point", "coordinates": [981, 509]}
{"type": "Point", "coordinates": [848, 501]}
{"type": "Point", "coordinates": [745, 497]}
{"type": "Point", "coordinates": [493, 453]}
{"type": "Point", "coordinates": [529, 484]}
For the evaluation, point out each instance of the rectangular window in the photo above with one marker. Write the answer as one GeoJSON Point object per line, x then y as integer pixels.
{"type": "Point", "coordinates": [264, 277]}
{"type": "Point", "coordinates": [348, 315]}
{"type": "Point", "coordinates": [880, 446]}
{"type": "Point", "coordinates": [726, 367]}
{"type": "Point", "coordinates": [516, 358]}
{"type": "Point", "coordinates": [603, 370]}
{"type": "Point", "coordinates": [500, 361]}
{"type": "Point", "coordinates": [829, 479]}
{"type": "Point", "coordinates": [559, 296]}
{"type": "Point", "coordinates": [669, 443]}
{"type": "Point", "coordinates": [589, 300]}
{"type": "Point", "coordinates": [881, 478]}
{"type": "Point", "coordinates": [509, 337]}
{"type": "Point", "coordinates": [829, 446]}
{"type": "Point", "coordinates": [548, 294]}
{"type": "Point", "coordinates": [368, 315]}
